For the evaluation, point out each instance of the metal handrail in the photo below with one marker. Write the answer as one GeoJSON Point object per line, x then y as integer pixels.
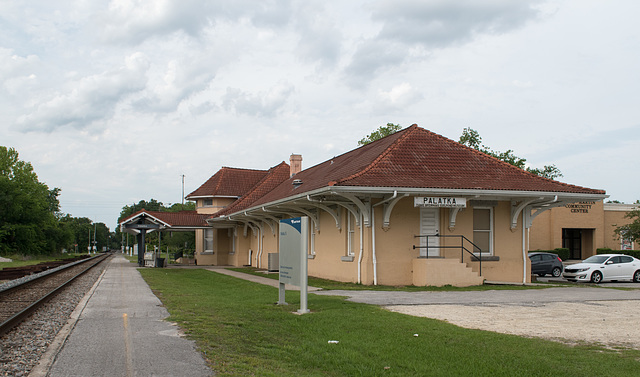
{"type": "Point", "coordinates": [461, 247]}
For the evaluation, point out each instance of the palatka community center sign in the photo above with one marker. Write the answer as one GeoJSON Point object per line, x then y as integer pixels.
{"type": "Point", "coordinates": [437, 201]}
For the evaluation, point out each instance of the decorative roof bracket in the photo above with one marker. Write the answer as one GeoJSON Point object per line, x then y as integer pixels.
{"type": "Point", "coordinates": [365, 209]}
{"type": "Point", "coordinates": [453, 213]}
{"type": "Point", "coordinates": [334, 214]}
{"type": "Point", "coordinates": [388, 207]}
{"type": "Point", "coordinates": [264, 220]}
{"type": "Point", "coordinates": [516, 209]}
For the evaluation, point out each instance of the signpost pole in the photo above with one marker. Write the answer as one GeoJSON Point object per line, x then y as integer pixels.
{"type": "Point", "coordinates": [141, 242]}
{"type": "Point", "coordinates": [281, 299]}
{"type": "Point", "coordinates": [304, 232]}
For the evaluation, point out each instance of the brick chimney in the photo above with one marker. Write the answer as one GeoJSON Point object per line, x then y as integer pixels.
{"type": "Point", "coordinates": [295, 164]}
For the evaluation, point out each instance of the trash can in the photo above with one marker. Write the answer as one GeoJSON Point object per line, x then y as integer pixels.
{"type": "Point", "coordinates": [159, 262]}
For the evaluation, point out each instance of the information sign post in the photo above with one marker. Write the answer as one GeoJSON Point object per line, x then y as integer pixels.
{"type": "Point", "coordinates": [292, 253]}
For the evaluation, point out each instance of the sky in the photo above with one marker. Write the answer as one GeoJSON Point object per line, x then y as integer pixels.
{"type": "Point", "coordinates": [114, 101]}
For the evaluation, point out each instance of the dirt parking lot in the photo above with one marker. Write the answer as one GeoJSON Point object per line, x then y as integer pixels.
{"type": "Point", "coordinates": [609, 323]}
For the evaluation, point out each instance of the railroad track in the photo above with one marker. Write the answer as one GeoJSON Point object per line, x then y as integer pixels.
{"type": "Point", "coordinates": [17, 302]}
{"type": "Point", "coordinates": [10, 273]}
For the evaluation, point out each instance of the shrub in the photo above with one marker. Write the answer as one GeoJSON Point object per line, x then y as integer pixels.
{"type": "Point", "coordinates": [606, 250]}
{"type": "Point", "coordinates": [562, 252]}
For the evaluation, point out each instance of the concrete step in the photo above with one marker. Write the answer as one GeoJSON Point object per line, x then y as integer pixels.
{"type": "Point", "coordinates": [444, 271]}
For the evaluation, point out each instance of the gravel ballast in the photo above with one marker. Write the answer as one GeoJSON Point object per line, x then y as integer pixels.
{"type": "Point", "coordinates": [22, 347]}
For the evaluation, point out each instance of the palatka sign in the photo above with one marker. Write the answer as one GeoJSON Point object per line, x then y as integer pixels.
{"type": "Point", "coordinates": [446, 202]}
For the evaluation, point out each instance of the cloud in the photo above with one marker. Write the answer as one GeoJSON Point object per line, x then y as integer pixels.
{"type": "Point", "coordinates": [268, 104]}
{"type": "Point", "coordinates": [370, 58]}
{"type": "Point", "coordinates": [320, 39]}
{"type": "Point", "coordinates": [408, 25]}
{"type": "Point", "coordinates": [179, 80]}
{"type": "Point", "coordinates": [17, 72]}
{"type": "Point", "coordinates": [442, 23]}
{"type": "Point", "coordinates": [12, 64]}
{"type": "Point", "coordinates": [89, 99]}
{"type": "Point", "coordinates": [134, 21]}
{"type": "Point", "coordinates": [398, 98]}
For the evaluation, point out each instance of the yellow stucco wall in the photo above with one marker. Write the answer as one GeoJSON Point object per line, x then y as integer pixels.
{"type": "Point", "coordinates": [221, 243]}
{"type": "Point", "coordinates": [600, 218]}
{"type": "Point", "coordinates": [394, 247]}
{"type": "Point", "coordinates": [395, 255]}
{"type": "Point", "coordinates": [217, 205]}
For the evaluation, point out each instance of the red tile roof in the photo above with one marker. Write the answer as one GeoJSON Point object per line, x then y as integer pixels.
{"type": "Point", "coordinates": [182, 219]}
{"type": "Point", "coordinates": [418, 158]}
{"type": "Point", "coordinates": [274, 177]}
{"type": "Point", "coordinates": [229, 182]}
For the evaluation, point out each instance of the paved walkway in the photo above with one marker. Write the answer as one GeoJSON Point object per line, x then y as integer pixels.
{"type": "Point", "coordinates": [515, 296]}
{"type": "Point", "coordinates": [257, 279]}
{"type": "Point", "coordinates": [122, 332]}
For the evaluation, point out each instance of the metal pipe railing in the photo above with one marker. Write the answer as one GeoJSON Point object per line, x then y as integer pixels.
{"type": "Point", "coordinates": [462, 248]}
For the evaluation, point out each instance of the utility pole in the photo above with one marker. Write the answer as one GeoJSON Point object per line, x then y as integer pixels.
{"type": "Point", "coordinates": [182, 192]}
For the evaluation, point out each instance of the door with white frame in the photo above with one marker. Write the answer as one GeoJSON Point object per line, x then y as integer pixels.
{"type": "Point", "coordinates": [429, 226]}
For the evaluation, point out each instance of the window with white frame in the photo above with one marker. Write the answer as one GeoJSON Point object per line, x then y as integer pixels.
{"type": "Point", "coordinates": [350, 234]}
{"type": "Point", "coordinates": [483, 230]}
{"type": "Point", "coordinates": [207, 202]}
{"type": "Point", "coordinates": [208, 240]}
{"type": "Point", "coordinates": [312, 238]}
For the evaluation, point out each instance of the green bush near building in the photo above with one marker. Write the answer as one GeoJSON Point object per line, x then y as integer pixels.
{"type": "Point", "coordinates": [606, 250]}
{"type": "Point", "coordinates": [562, 252]}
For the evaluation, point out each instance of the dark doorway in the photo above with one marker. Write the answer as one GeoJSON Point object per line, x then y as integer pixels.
{"type": "Point", "coordinates": [572, 240]}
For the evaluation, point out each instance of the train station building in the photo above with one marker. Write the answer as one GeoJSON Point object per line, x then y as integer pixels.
{"type": "Point", "coordinates": [413, 208]}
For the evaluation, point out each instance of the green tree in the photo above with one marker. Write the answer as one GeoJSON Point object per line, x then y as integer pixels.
{"type": "Point", "coordinates": [631, 231]}
{"type": "Point", "coordinates": [471, 138]}
{"type": "Point", "coordinates": [151, 205]}
{"type": "Point", "coordinates": [381, 132]}
{"type": "Point", "coordinates": [29, 209]}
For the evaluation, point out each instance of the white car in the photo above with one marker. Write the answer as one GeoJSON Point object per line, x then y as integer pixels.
{"type": "Point", "coordinates": [603, 267]}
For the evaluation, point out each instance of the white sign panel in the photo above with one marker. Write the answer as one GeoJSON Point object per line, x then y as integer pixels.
{"type": "Point", "coordinates": [293, 249]}
{"type": "Point", "coordinates": [440, 201]}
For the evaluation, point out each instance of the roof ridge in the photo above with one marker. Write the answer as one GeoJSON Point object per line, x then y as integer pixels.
{"type": "Point", "coordinates": [407, 131]}
{"type": "Point", "coordinates": [223, 170]}
{"type": "Point", "coordinates": [235, 168]}
{"type": "Point", "coordinates": [255, 187]}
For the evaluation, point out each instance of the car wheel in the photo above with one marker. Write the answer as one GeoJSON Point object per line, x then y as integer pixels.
{"type": "Point", "coordinates": [596, 277]}
{"type": "Point", "coordinates": [556, 272]}
{"type": "Point", "coordinates": [636, 277]}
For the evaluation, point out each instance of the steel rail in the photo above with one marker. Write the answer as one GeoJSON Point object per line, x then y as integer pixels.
{"type": "Point", "coordinates": [18, 317]}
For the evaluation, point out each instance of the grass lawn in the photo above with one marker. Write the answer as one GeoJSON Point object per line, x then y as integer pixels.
{"type": "Point", "coordinates": [242, 332]}
{"type": "Point", "coordinates": [27, 260]}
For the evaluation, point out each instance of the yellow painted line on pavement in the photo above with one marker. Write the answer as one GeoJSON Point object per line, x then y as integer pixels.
{"type": "Point", "coordinates": [128, 349]}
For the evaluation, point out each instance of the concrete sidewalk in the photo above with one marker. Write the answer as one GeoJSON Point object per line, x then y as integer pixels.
{"type": "Point", "coordinates": [122, 332]}
{"type": "Point", "coordinates": [470, 298]}
{"type": "Point", "coordinates": [257, 279]}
